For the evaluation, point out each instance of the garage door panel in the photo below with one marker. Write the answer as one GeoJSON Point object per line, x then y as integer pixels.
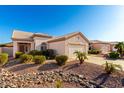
{"type": "Point", "coordinates": [73, 48]}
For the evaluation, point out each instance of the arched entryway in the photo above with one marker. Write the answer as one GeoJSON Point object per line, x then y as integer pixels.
{"type": "Point", "coordinates": [43, 46]}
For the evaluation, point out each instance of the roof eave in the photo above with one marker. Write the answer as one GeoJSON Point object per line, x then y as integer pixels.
{"type": "Point", "coordinates": [18, 39]}
{"type": "Point", "coordinates": [56, 40]}
{"type": "Point", "coordinates": [37, 35]}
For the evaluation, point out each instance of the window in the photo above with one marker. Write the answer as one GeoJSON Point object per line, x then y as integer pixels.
{"type": "Point", "coordinates": [43, 46]}
{"type": "Point", "coordinates": [77, 38]}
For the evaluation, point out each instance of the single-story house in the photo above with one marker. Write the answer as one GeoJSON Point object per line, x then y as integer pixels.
{"type": "Point", "coordinates": [64, 45]}
{"type": "Point", "coordinates": [105, 47]}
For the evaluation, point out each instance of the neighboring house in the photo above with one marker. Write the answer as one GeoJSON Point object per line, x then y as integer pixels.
{"type": "Point", "coordinates": [113, 46]}
{"type": "Point", "coordinates": [7, 48]}
{"type": "Point", "coordinates": [64, 45]}
{"type": "Point", "coordinates": [105, 47]}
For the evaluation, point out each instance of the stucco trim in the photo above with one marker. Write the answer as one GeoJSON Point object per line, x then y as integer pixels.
{"type": "Point", "coordinates": [101, 43]}
{"type": "Point", "coordinates": [67, 37]}
{"type": "Point", "coordinates": [83, 37]}
{"type": "Point", "coordinates": [56, 40]}
{"type": "Point", "coordinates": [76, 44]}
{"type": "Point", "coordinates": [16, 39]}
{"type": "Point", "coordinates": [38, 35]}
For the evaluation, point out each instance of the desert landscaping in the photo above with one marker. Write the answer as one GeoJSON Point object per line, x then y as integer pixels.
{"type": "Point", "coordinates": [72, 75]}
{"type": "Point", "coordinates": [45, 69]}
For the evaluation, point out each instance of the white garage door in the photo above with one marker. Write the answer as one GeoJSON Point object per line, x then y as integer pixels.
{"type": "Point", "coordinates": [73, 48]}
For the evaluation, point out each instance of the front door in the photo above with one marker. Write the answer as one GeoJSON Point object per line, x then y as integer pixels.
{"type": "Point", "coordinates": [24, 47]}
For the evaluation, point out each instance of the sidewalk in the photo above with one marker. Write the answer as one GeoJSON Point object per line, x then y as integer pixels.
{"type": "Point", "coordinates": [101, 60]}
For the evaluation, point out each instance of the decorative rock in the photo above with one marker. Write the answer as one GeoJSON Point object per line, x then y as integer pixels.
{"type": "Point", "coordinates": [11, 80]}
{"type": "Point", "coordinates": [38, 82]}
{"type": "Point", "coordinates": [81, 76]}
{"type": "Point", "coordinates": [80, 80]}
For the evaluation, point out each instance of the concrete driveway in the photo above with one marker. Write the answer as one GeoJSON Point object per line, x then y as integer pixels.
{"type": "Point", "coordinates": [101, 60]}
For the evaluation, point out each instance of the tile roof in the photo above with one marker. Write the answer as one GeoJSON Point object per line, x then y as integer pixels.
{"type": "Point", "coordinates": [67, 36]}
{"type": "Point", "coordinates": [17, 34]}
{"type": "Point", "coordinates": [104, 42]}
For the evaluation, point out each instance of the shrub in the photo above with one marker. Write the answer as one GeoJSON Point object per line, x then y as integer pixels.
{"type": "Point", "coordinates": [120, 48]}
{"type": "Point", "coordinates": [3, 58]}
{"type": "Point", "coordinates": [39, 59]}
{"type": "Point", "coordinates": [94, 51]}
{"type": "Point", "coordinates": [110, 67]}
{"type": "Point", "coordinates": [59, 84]}
{"type": "Point", "coordinates": [35, 52]}
{"type": "Point", "coordinates": [114, 55]}
{"type": "Point", "coordinates": [25, 58]}
{"type": "Point", "coordinates": [61, 60]}
{"type": "Point", "coordinates": [49, 53]}
{"type": "Point", "coordinates": [81, 56]}
{"type": "Point", "coordinates": [18, 54]}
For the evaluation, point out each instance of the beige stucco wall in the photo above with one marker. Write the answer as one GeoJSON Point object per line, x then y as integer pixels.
{"type": "Point", "coordinates": [81, 41]}
{"type": "Point", "coordinates": [58, 46]}
{"type": "Point", "coordinates": [38, 41]}
{"type": "Point", "coordinates": [15, 45]}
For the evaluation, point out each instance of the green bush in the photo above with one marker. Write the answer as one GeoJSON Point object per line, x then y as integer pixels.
{"type": "Point", "coordinates": [110, 67]}
{"type": "Point", "coordinates": [25, 58]}
{"type": "Point", "coordinates": [18, 54]}
{"type": "Point", "coordinates": [94, 51]}
{"type": "Point", "coordinates": [59, 84]}
{"type": "Point", "coordinates": [39, 59]}
{"type": "Point", "coordinates": [3, 58]}
{"type": "Point", "coordinates": [49, 53]}
{"type": "Point", "coordinates": [35, 52]}
{"type": "Point", "coordinates": [61, 60]}
{"type": "Point", "coordinates": [114, 55]}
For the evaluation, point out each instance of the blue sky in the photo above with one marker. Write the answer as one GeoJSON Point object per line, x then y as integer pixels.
{"type": "Point", "coordinates": [95, 22]}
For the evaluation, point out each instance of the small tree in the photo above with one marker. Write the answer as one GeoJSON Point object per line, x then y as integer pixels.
{"type": "Point", "coordinates": [81, 56]}
{"type": "Point", "coordinates": [120, 48]}
{"type": "Point", "coordinates": [111, 68]}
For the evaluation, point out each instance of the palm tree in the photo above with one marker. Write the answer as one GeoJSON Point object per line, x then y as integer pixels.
{"type": "Point", "coordinates": [81, 56]}
{"type": "Point", "coordinates": [110, 67]}
{"type": "Point", "coordinates": [120, 48]}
